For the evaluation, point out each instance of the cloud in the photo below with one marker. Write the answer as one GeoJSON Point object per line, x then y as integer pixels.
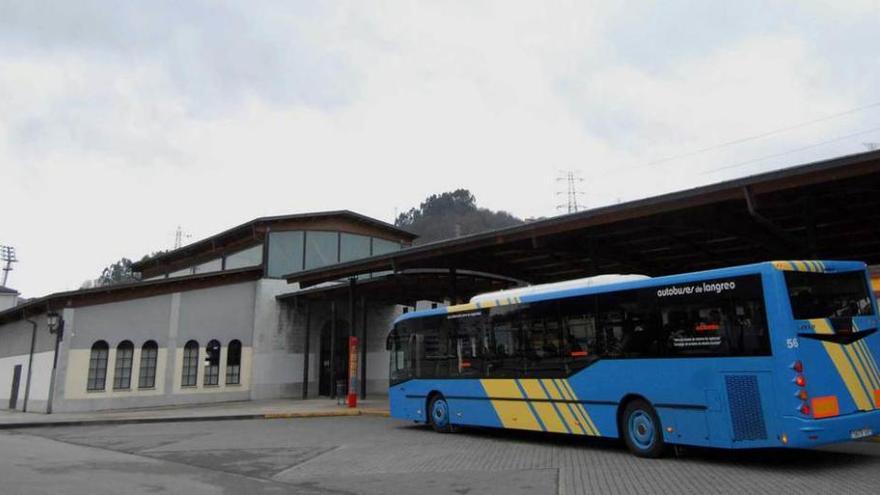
{"type": "Point", "coordinates": [117, 125]}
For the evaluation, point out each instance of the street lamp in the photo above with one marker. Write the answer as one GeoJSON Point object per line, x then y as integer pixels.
{"type": "Point", "coordinates": [54, 322]}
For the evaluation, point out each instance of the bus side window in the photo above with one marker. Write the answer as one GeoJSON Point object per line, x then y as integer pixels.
{"type": "Point", "coordinates": [545, 345]}
{"type": "Point", "coordinates": [433, 348]}
{"type": "Point", "coordinates": [578, 316]}
{"type": "Point", "coordinates": [628, 324]}
{"type": "Point", "coordinates": [504, 356]}
{"type": "Point", "coordinates": [731, 322]}
{"type": "Point", "coordinates": [470, 347]}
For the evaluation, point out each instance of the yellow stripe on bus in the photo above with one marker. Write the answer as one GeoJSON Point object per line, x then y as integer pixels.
{"type": "Point", "coordinates": [866, 364]}
{"type": "Point", "coordinates": [844, 369]}
{"type": "Point", "coordinates": [462, 307]}
{"type": "Point", "coordinates": [567, 414]}
{"type": "Point", "coordinates": [582, 420]}
{"type": "Point", "coordinates": [872, 364]}
{"type": "Point", "coordinates": [552, 421]}
{"type": "Point", "coordinates": [512, 413]}
{"type": "Point", "coordinates": [581, 408]}
{"type": "Point", "coordinates": [862, 352]}
{"type": "Point", "coordinates": [864, 381]}
{"type": "Point", "coordinates": [872, 360]}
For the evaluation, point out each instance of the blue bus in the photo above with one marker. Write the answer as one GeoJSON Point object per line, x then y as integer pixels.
{"type": "Point", "coordinates": [774, 354]}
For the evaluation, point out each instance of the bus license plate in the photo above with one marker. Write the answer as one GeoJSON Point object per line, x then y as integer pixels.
{"type": "Point", "coordinates": [862, 433]}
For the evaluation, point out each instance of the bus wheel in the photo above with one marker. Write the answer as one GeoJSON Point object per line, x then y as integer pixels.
{"type": "Point", "coordinates": [642, 431]}
{"type": "Point", "coordinates": [438, 414]}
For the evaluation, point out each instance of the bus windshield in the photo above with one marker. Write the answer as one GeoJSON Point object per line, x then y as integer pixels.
{"type": "Point", "coordinates": [828, 295]}
{"type": "Point", "coordinates": [401, 355]}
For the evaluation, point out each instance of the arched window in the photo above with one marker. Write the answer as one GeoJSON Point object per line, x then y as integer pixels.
{"type": "Point", "coordinates": [212, 363]}
{"type": "Point", "coordinates": [190, 364]}
{"type": "Point", "coordinates": [98, 366]}
{"type": "Point", "coordinates": [233, 363]}
{"type": "Point", "coordinates": [122, 374]}
{"type": "Point", "coordinates": [147, 374]}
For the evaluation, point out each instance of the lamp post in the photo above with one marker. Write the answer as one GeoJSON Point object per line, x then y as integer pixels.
{"type": "Point", "coordinates": [56, 327]}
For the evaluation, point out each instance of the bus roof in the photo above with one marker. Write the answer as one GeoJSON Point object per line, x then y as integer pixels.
{"type": "Point", "coordinates": [786, 265]}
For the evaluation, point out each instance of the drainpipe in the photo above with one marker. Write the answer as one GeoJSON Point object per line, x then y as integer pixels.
{"type": "Point", "coordinates": [27, 387]}
{"type": "Point", "coordinates": [59, 334]}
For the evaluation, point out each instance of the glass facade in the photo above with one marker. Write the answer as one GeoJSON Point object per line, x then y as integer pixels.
{"type": "Point", "coordinates": [209, 266]}
{"type": "Point", "coordinates": [294, 251]}
{"type": "Point", "coordinates": [252, 256]}
{"type": "Point", "coordinates": [381, 246]}
{"type": "Point", "coordinates": [285, 253]}
{"type": "Point", "coordinates": [353, 247]}
{"type": "Point", "coordinates": [181, 273]}
{"type": "Point", "coordinates": [322, 249]}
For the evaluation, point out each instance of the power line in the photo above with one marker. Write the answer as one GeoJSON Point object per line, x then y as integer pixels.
{"type": "Point", "coordinates": [756, 136]}
{"type": "Point", "coordinates": [802, 148]}
{"type": "Point", "coordinates": [571, 179]}
{"type": "Point", "coordinates": [7, 255]}
{"type": "Point", "coordinates": [179, 236]}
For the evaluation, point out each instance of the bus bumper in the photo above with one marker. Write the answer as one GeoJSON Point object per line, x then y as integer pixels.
{"type": "Point", "coordinates": [801, 432]}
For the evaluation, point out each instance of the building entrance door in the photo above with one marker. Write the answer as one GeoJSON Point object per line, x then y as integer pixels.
{"type": "Point", "coordinates": [334, 362]}
{"type": "Point", "coordinates": [16, 379]}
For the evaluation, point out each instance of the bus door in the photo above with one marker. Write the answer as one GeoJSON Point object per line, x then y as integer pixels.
{"type": "Point", "coordinates": [836, 344]}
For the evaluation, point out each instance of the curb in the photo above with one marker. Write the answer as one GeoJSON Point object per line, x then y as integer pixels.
{"type": "Point", "coordinates": [187, 419]}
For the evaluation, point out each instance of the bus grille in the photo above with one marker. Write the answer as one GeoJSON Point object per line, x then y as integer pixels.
{"type": "Point", "coordinates": [744, 399]}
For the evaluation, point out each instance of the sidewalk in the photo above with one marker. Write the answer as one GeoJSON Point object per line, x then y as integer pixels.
{"type": "Point", "coordinates": [266, 409]}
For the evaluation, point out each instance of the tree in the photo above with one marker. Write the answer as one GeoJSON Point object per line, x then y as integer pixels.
{"type": "Point", "coordinates": [118, 273]}
{"type": "Point", "coordinates": [452, 214]}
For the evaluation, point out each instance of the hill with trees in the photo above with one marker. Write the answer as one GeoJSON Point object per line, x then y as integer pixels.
{"type": "Point", "coordinates": [452, 214]}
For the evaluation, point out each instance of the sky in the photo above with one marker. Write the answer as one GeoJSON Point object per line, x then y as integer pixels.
{"type": "Point", "coordinates": [120, 121]}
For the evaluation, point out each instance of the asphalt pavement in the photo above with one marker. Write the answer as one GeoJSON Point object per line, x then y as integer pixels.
{"type": "Point", "coordinates": [377, 455]}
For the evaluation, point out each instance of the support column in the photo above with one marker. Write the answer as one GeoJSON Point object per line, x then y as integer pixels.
{"type": "Point", "coordinates": [453, 287]}
{"type": "Point", "coordinates": [305, 387]}
{"type": "Point", "coordinates": [332, 349]}
{"type": "Point", "coordinates": [363, 370]}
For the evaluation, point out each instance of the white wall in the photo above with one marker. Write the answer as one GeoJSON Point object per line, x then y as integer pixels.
{"type": "Point", "coordinates": [39, 393]}
{"type": "Point", "coordinates": [223, 313]}
{"type": "Point", "coordinates": [277, 367]}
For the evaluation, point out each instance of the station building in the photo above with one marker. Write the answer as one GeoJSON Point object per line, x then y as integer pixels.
{"type": "Point", "coordinates": [265, 309]}
{"type": "Point", "coordinates": [204, 325]}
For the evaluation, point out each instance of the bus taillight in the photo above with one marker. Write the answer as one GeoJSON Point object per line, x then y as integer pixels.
{"type": "Point", "coordinates": [798, 367]}
{"type": "Point", "coordinates": [805, 409]}
{"type": "Point", "coordinates": [800, 381]}
{"type": "Point", "coordinates": [802, 394]}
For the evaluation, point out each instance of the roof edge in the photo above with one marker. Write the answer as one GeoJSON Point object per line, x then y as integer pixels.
{"type": "Point", "coordinates": [382, 262]}
{"type": "Point", "coordinates": [169, 255]}
{"type": "Point", "coordinates": [51, 301]}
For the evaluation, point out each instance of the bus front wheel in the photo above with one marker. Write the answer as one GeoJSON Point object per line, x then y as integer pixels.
{"type": "Point", "coordinates": [641, 430]}
{"type": "Point", "coordinates": [438, 415]}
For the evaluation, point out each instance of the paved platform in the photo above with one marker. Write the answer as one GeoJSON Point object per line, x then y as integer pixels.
{"type": "Point", "coordinates": [268, 409]}
{"type": "Point", "coordinates": [374, 455]}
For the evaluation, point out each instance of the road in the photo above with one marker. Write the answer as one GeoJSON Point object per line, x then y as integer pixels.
{"type": "Point", "coordinates": [374, 455]}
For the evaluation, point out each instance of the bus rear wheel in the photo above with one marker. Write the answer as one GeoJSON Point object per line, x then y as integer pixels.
{"type": "Point", "coordinates": [438, 415]}
{"type": "Point", "coordinates": [642, 431]}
